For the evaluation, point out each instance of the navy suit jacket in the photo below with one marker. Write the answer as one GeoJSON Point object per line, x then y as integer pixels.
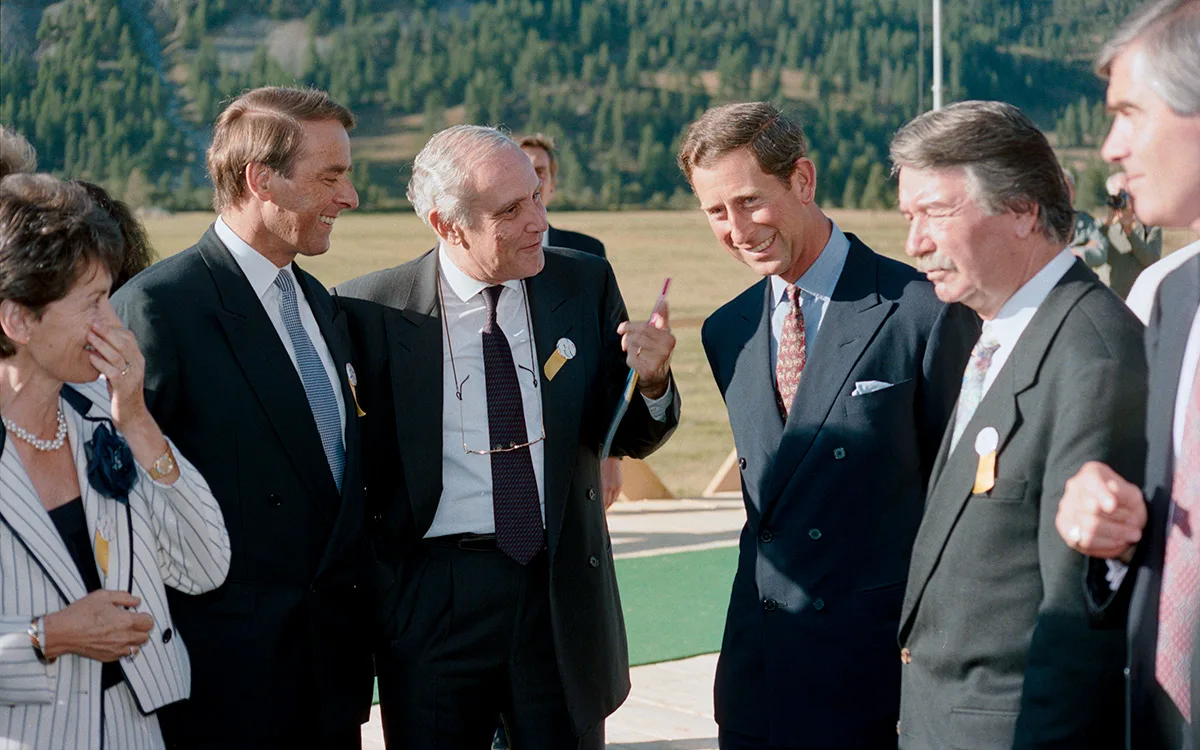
{"type": "Point", "coordinates": [584, 243]}
{"type": "Point", "coordinates": [833, 498]}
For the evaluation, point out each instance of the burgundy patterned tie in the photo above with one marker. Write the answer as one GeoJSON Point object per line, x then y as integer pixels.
{"type": "Point", "coordinates": [792, 354]}
{"type": "Point", "coordinates": [1181, 567]}
{"type": "Point", "coordinates": [515, 504]}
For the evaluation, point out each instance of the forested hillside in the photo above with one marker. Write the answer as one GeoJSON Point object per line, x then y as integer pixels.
{"type": "Point", "coordinates": [123, 91]}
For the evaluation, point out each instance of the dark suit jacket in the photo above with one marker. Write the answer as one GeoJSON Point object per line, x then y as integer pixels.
{"type": "Point", "coordinates": [395, 321]}
{"type": "Point", "coordinates": [584, 243]}
{"type": "Point", "coordinates": [1153, 720]}
{"type": "Point", "coordinates": [278, 650]}
{"type": "Point", "coordinates": [833, 500]}
{"type": "Point", "coordinates": [995, 621]}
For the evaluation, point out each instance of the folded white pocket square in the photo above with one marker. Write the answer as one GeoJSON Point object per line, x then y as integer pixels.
{"type": "Point", "coordinates": [863, 387]}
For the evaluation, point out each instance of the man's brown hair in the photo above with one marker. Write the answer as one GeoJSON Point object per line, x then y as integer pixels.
{"type": "Point", "coordinates": [266, 126]}
{"type": "Point", "coordinates": [776, 140]}
{"type": "Point", "coordinates": [545, 143]}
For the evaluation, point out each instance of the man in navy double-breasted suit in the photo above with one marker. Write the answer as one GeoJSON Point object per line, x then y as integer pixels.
{"type": "Point", "coordinates": [839, 369]}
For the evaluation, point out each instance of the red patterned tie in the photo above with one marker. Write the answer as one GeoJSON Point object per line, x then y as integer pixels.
{"type": "Point", "coordinates": [792, 353]}
{"type": "Point", "coordinates": [1181, 567]}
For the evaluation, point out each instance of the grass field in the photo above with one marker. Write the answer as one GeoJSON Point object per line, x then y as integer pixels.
{"type": "Point", "coordinates": [643, 247]}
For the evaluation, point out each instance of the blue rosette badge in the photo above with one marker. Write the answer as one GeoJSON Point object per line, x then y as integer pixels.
{"type": "Point", "coordinates": [110, 466]}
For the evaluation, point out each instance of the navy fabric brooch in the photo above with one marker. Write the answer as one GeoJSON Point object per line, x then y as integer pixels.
{"type": "Point", "coordinates": [110, 466]}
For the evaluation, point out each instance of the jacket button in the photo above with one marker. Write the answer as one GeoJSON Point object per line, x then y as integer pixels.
{"type": "Point", "coordinates": [591, 493]}
{"type": "Point", "coordinates": [274, 500]}
{"type": "Point", "coordinates": [818, 604]}
{"type": "Point", "coordinates": [905, 656]}
{"type": "Point", "coordinates": [770, 605]}
{"type": "Point", "coordinates": [839, 453]}
{"type": "Point", "coordinates": [593, 561]}
{"type": "Point", "coordinates": [742, 464]}
{"type": "Point", "coordinates": [166, 636]}
{"type": "Point", "coordinates": [765, 536]}
{"type": "Point", "coordinates": [814, 533]}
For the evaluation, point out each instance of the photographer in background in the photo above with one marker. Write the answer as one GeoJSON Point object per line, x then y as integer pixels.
{"type": "Point", "coordinates": [1089, 240]}
{"type": "Point", "coordinates": [1132, 246]}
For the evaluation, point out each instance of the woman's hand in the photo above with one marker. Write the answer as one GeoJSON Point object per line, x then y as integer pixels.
{"type": "Point", "coordinates": [100, 626]}
{"type": "Point", "coordinates": [118, 358]}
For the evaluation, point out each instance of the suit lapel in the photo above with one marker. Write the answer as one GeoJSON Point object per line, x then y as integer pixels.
{"type": "Point", "coordinates": [554, 302]}
{"type": "Point", "coordinates": [22, 510]}
{"type": "Point", "coordinates": [953, 481]}
{"type": "Point", "coordinates": [268, 369]}
{"type": "Point", "coordinates": [854, 314]}
{"type": "Point", "coordinates": [414, 335]}
{"type": "Point", "coordinates": [753, 410]}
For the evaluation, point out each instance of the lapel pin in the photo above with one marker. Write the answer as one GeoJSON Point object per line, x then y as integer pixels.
{"type": "Point", "coordinates": [352, 378]}
{"type": "Point", "coordinates": [563, 351]}
{"type": "Point", "coordinates": [986, 443]}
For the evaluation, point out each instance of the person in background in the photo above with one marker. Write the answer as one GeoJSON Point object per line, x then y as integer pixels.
{"type": "Point", "coordinates": [1088, 241]}
{"type": "Point", "coordinates": [1132, 246]}
{"type": "Point", "coordinates": [99, 512]}
{"type": "Point", "coordinates": [138, 252]}
{"type": "Point", "coordinates": [16, 153]}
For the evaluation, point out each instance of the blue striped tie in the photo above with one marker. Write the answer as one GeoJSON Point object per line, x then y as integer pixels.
{"type": "Point", "coordinates": [316, 381]}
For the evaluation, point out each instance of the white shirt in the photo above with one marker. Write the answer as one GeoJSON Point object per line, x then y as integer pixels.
{"type": "Point", "coordinates": [1145, 289]}
{"type": "Point", "coordinates": [261, 274]}
{"type": "Point", "coordinates": [466, 502]}
{"type": "Point", "coordinates": [1187, 375]}
{"type": "Point", "coordinates": [1015, 314]}
{"type": "Point", "coordinates": [816, 289]}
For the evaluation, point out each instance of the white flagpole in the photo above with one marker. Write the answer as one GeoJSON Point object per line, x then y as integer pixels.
{"type": "Point", "coordinates": [937, 54]}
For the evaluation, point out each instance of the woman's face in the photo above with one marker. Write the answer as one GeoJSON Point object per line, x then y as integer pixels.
{"type": "Point", "coordinates": [58, 342]}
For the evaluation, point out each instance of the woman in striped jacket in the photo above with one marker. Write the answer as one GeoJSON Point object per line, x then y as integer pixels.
{"type": "Point", "coordinates": [98, 514]}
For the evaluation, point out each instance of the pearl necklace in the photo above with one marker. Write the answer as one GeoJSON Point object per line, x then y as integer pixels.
{"type": "Point", "coordinates": [39, 444]}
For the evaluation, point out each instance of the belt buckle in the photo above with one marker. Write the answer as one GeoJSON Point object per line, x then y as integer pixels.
{"type": "Point", "coordinates": [478, 542]}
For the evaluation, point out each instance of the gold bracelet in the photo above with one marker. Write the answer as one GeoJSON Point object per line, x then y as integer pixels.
{"type": "Point", "coordinates": [37, 637]}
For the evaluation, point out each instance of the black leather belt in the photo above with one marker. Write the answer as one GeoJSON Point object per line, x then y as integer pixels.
{"type": "Point", "coordinates": [473, 542]}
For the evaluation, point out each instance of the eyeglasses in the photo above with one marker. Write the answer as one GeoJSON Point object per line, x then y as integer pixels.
{"type": "Point", "coordinates": [458, 385]}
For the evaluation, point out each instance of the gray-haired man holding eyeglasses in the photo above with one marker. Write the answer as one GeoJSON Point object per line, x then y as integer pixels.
{"type": "Point", "coordinates": [491, 369]}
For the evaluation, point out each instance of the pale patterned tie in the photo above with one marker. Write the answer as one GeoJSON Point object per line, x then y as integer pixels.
{"type": "Point", "coordinates": [315, 379]}
{"type": "Point", "coordinates": [1181, 567]}
{"type": "Point", "coordinates": [972, 381]}
{"type": "Point", "coordinates": [792, 354]}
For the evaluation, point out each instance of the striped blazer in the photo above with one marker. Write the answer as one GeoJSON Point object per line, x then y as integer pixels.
{"type": "Point", "coordinates": [166, 535]}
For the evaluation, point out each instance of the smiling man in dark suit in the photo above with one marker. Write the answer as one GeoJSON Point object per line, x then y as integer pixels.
{"type": "Point", "coordinates": [997, 643]}
{"type": "Point", "coordinates": [248, 371]}
{"type": "Point", "coordinates": [839, 372]}
{"type": "Point", "coordinates": [1153, 69]}
{"type": "Point", "coordinates": [494, 366]}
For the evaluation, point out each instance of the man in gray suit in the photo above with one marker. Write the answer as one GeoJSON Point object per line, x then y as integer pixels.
{"type": "Point", "coordinates": [997, 646]}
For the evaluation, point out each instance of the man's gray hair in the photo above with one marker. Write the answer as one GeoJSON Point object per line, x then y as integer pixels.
{"type": "Point", "coordinates": [17, 155]}
{"type": "Point", "coordinates": [442, 172]}
{"type": "Point", "coordinates": [1169, 32]}
{"type": "Point", "coordinates": [1008, 162]}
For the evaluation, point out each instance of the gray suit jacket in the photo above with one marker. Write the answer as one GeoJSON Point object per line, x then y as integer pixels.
{"type": "Point", "coordinates": [395, 324]}
{"type": "Point", "coordinates": [995, 624]}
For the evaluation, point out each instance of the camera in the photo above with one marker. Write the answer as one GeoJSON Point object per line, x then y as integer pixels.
{"type": "Point", "coordinates": [1118, 202]}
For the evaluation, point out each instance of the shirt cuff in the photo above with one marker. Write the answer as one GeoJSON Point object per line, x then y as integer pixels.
{"type": "Point", "coordinates": [1115, 573]}
{"type": "Point", "coordinates": [658, 406]}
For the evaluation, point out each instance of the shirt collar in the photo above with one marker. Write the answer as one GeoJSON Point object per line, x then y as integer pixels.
{"type": "Point", "coordinates": [463, 286]}
{"type": "Point", "coordinates": [1016, 313]}
{"type": "Point", "coordinates": [260, 272]}
{"type": "Point", "coordinates": [822, 276]}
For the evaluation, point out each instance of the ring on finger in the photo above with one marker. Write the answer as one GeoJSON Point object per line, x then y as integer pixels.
{"type": "Point", "coordinates": [639, 352]}
{"type": "Point", "coordinates": [125, 369]}
{"type": "Point", "coordinates": [1074, 535]}
{"type": "Point", "coordinates": [132, 650]}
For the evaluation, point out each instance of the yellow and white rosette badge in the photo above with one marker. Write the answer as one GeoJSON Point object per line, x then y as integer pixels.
{"type": "Point", "coordinates": [563, 351]}
{"type": "Point", "coordinates": [986, 443]}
